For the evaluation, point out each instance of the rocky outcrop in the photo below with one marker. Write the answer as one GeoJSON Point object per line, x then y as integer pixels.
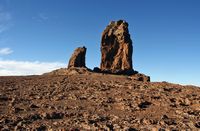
{"type": "Point", "coordinates": [116, 49]}
{"type": "Point", "coordinates": [76, 64]}
{"type": "Point", "coordinates": [78, 58]}
{"type": "Point", "coordinates": [70, 71]}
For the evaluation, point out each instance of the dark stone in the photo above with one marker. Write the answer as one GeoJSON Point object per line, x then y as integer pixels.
{"type": "Point", "coordinates": [41, 128]}
{"type": "Point", "coordinates": [145, 104]}
{"type": "Point", "coordinates": [53, 115]}
{"type": "Point", "coordinates": [168, 121]}
{"type": "Point", "coordinates": [197, 125]}
{"type": "Point", "coordinates": [132, 129]}
{"type": "Point", "coordinates": [140, 77]}
{"type": "Point", "coordinates": [97, 69]}
{"type": "Point", "coordinates": [33, 106]}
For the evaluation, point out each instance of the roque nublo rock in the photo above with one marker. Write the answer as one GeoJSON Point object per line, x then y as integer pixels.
{"type": "Point", "coordinates": [77, 98]}
{"type": "Point", "coordinates": [116, 49]}
{"type": "Point", "coordinates": [116, 55]}
{"type": "Point", "coordinates": [78, 58]}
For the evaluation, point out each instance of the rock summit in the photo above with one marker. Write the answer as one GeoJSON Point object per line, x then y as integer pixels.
{"type": "Point", "coordinates": [116, 49]}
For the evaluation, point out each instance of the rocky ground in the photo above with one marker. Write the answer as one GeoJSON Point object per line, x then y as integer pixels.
{"type": "Point", "coordinates": [96, 102]}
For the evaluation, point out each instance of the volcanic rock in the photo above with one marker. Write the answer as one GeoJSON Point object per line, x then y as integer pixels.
{"type": "Point", "coordinates": [96, 102]}
{"type": "Point", "coordinates": [78, 58]}
{"type": "Point", "coordinates": [116, 49]}
{"type": "Point", "coordinates": [140, 77]}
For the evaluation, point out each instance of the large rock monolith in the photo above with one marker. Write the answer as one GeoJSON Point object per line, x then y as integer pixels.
{"type": "Point", "coordinates": [116, 49]}
{"type": "Point", "coordinates": [78, 58]}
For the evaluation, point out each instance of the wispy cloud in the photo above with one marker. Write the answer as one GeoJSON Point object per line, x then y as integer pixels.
{"type": "Point", "coordinates": [12, 67]}
{"type": "Point", "coordinates": [5, 51]}
{"type": "Point", "coordinates": [40, 17]}
{"type": "Point", "coordinates": [43, 16]}
{"type": "Point", "coordinates": [5, 18]}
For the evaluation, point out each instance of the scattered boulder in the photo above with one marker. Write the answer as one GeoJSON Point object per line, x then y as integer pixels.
{"type": "Point", "coordinates": [53, 115]}
{"type": "Point", "coordinates": [41, 128]}
{"type": "Point", "coordinates": [33, 106]}
{"type": "Point", "coordinates": [3, 98]}
{"type": "Point", "coordinates": [144, 105]}
{"type": "Point", "coordinates": [185, 102]}
{"type": "Point", "coordinates": [97, 69]}
{"type": "Point", "coordinates": [168, 121]}
{"type": "Point", "coordinates": [197, 125]}
{"type": "Point", "coordinates": [140, 77]}
{"type": "Point", "coordinates": [116, 49]}
{"type": "Point", "coordinates": [78, 58]}
{"type": "Point", "coordinates": [33, 117]}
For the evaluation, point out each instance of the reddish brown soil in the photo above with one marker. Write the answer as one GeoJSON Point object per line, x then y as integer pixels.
{"type": "Point", "coordinates": [96, 102]}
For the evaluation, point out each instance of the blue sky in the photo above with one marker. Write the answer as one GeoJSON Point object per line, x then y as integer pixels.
{"type": "Point", "coordinates": [165, 34]}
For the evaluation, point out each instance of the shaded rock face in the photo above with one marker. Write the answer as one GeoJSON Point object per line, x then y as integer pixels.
{"type": "Point", "coordinates": [78, 58]}
{"type": "Point", "coordinates": [116, 48]}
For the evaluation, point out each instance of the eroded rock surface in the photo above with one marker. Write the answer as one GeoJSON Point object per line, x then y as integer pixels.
{"type": "Point", "coordinates": [78, 58]}
{"type": "Point", "coordinates": [116, 49]}
{"type": "Point", "coordinates": [96, 102]}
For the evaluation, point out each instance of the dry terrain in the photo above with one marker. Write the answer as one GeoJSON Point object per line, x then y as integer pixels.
{"type": "Point", "coordinates": [96, 102]}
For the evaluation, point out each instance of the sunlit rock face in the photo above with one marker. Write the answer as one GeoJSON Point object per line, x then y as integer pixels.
{"type": "Point", "coordinates": [116, 48]}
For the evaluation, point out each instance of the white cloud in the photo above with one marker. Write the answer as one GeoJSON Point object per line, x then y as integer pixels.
{"type": "Point", "coordinates": [5, 51]}
{"type": "Point", "coordinates": [12, 67]}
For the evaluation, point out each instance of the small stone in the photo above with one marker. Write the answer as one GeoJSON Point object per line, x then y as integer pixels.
{"type": "Point", "coordinates": [5, 128]}
{"type": "Point", "coordinates": [34, 117]}
{"type": "Point", "coordinates": [185, 102]}
{"type": "Point", "coordinates": [41, 128]}
{"type": "Point", "coordinates": [132, 129]}
{"type": "Point", "coordinates": [3, 98]}
{"type": "Point", "coordinates": [55, 123]}
{"type": "Point", "coordinates": [33, 106]}
{"type": "Point", "coordinates": [116, 126]}
{"type": "Point", "coordinates": [53, 115]}
{"type": "Point", "coordinates": [197, 125]}
{"type": "Point", "coordinates": [144, 105]}
{"type": "Point", "coordinates": [17, 109]}
{"type": "Point", "coordinates": [145, 121]}
{"type": "Point", "coordinates": [140, 77]}
{"type": "Point", "coordinates": [168, 121]}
